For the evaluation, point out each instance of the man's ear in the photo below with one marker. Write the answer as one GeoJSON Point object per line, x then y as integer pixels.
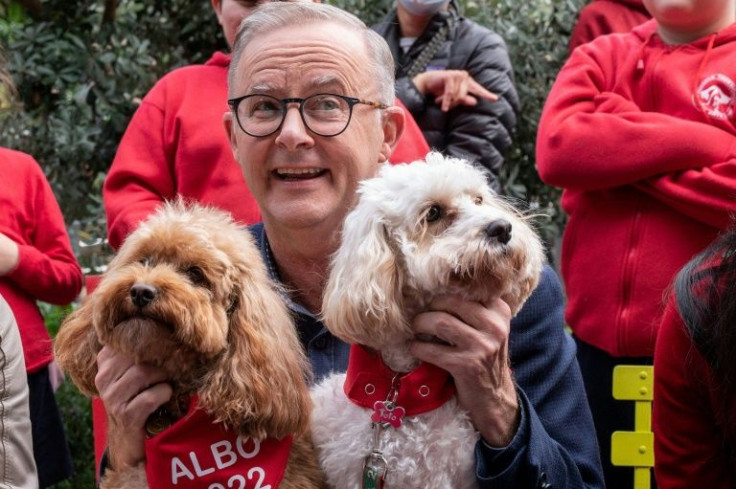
{"type": "Point", "coordinates": [230, 129]}
{"type": "Point", "coordinates": [393, 127]}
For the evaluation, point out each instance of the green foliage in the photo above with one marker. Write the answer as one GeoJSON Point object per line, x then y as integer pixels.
{"type": "Point", "coordinates": [536, 33]}
{"type": "Point", "coordinates": [80, 80]}
{"type": "Point", "coordinates": [53, 316]}
{"type": "Point", "coordinates": [76, 411]}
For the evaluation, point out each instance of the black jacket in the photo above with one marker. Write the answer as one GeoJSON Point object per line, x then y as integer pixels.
{"type": "Point", "coordinates": [481, 133]}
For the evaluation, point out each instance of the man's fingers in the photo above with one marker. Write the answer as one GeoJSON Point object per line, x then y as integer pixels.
{"type": "Point", "coordinates": [444, 327]}
{"type": "Point", "coordinates": [135, 412]}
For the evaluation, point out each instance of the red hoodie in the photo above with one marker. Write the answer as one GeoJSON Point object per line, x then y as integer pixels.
{"type": "Point", "coordinates": [642, 137]}
{"type": "Point", "coordinates": [47, 269]}
{"type": "Point", "coordinates": [690, 427]}
{"type": "Point", "coordinates": [175, 144]}
{"type": "Point", "coordinates": [602, 17]}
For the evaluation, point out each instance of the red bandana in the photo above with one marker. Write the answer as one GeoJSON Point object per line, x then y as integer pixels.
{"type": "Point", "coordinates": [196, 453]}
{"type": "Point", "coordinates": [369, 381]}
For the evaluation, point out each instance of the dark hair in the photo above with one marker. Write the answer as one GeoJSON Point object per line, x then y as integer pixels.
{"type": "Point", "coordinates": [706, 299]}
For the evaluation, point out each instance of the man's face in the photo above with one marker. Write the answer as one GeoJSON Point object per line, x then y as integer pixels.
{"type": "Point", "coordinates": [300, 179]}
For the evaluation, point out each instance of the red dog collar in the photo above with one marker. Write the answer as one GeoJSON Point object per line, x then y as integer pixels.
{"type": "Point", "coordinates": [369, 381]}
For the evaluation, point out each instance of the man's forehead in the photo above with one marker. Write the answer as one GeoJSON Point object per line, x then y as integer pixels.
{"type": "Point", "coordinates": [312, 58]}
{"type": "Point", "coordinates": [312, 33]}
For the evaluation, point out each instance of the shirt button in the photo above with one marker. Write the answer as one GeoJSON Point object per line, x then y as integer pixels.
{"type": "Point", "coordinates": [320, 343]}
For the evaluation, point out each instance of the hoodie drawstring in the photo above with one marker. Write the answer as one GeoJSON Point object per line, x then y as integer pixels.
{"type": "Point", "coordinates": [704, 62]}
{"type": "Point", "coordinates": [640, 54]}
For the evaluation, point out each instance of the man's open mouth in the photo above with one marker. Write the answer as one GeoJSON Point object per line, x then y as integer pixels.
{"type": "Point", "coordinates": [294, 174]}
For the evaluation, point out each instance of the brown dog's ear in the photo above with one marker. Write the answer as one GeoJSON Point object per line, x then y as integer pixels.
{"type": "Point", "coordinates": [363, 299]}
{"type": "Point", "coordinates": [76, 347]}
{"type": "Point", "coordinates": [259, 383]}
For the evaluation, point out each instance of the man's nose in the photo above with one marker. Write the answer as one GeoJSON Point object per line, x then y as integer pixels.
{"type": "Point", "coordinates": [293, 132]}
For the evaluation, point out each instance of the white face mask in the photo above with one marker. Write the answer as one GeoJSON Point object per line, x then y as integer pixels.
{"type": "Point", "coordinates": [423, 7]}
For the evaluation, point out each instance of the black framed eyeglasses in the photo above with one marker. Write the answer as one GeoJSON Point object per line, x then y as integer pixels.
{"type": "Point", "coordinates": [325, 114]}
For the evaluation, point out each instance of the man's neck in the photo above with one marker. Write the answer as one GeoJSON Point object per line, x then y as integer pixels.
{"type": "Point", "coordinates": [302, 259]}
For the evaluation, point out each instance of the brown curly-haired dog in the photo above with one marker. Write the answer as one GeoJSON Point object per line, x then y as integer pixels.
{"type": "Point", "coordinates": [188, 292]}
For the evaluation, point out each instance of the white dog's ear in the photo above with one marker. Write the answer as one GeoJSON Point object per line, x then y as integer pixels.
{"type": "Point", "coordinates": [363, 299]}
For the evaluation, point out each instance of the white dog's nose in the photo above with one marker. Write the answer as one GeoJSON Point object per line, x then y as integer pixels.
{"type": "Point", "coordinates": [500, 230]}
{"type": "Point", "coordinates": [142, 294]}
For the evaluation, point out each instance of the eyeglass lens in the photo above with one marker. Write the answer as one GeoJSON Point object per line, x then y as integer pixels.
{"type": "Point", "coordinates": [324, 114]}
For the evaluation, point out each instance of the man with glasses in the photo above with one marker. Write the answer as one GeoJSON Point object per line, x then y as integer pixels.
{"type": "Point", "coordinates": [175, 144]}
{"type": "Point", "coordinates": [311, 115]}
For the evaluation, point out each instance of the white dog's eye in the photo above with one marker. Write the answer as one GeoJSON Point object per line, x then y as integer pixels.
{"type": "Point", "coordinates": [478, 200]}
{"type": "Point", "coordinates": [434, 213]}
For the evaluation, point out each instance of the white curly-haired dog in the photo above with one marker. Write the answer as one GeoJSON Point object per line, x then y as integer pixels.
{"type": "Point", "coordinates": [188, 292]}
{"type": "Point", "coordinates": [419, 230]}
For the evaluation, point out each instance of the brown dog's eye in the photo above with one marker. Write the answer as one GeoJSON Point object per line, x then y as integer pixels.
{"type": "Point", "coordinates": [478, 200]}
{"type": "Point", "coordinates": [196, 275]}
{"type": "Point", "coordinates": [434, 213]}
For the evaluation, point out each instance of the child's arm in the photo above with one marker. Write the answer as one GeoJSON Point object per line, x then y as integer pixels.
{"type": "Point", "coordinates": [47, 268]}
{"type": "Point", "coordinates": [140, 178]}
{"type": "Point", "coordinates": [591, 138]}
{"type": "Point", "coordinates": [707, 194]}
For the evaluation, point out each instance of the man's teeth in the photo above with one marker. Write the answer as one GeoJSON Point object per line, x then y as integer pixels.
{"type": "Point", "coordinates": [298, 171]}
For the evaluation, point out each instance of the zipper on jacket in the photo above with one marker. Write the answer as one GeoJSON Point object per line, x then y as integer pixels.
{"type": "Point", "coordinates": [622, 318]}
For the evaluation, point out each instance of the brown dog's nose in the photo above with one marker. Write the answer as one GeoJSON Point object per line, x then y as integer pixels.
{"type": "Point", "coordinates": [142, 294]}
{"type": "Point", "coordinates": [500, 230]}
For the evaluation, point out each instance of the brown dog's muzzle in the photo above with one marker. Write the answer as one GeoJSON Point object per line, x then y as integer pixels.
{"type": "Point", "coordinates": [142, 295]}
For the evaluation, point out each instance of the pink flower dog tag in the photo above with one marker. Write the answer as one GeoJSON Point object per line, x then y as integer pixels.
{"type": "Point", "coordinates": [387, 413]}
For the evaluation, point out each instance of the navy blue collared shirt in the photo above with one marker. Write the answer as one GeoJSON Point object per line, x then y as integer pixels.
{"type": "Point", "coordinates": [326, 353]}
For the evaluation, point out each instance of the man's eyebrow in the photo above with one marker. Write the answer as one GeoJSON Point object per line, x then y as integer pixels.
{"type": "Point", "coordinates": [324, 81]}
{"type": "Point", "coordinates": [263, 88]}
{"type": "Point", "coordinates": [314, 85]}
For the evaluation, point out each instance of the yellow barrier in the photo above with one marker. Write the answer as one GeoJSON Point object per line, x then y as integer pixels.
{"type": "Point", "coordinates": [635, 448]}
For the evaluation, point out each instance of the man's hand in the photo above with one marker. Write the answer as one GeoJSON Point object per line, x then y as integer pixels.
{"type": "Point", "coordinates": [452, 88]}
{"type": "Point", "coordinates": [130, 394]}
{"type": "Point", "coordinates": [477, 357]}
{"type": "Point", "coordinates": [8, 255]}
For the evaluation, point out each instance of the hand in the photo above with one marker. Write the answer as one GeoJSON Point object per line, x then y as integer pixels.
{"type": "Point", "coordinates": [8, 255]}
{"type": "Point", "coordinates": [452, 88]}
{"type": "Point", "coordinates": [477, 357]}
{"type": "Point", "coordinates": [56, 375]}
{"type": "Point", "coordinates": [130, 394]}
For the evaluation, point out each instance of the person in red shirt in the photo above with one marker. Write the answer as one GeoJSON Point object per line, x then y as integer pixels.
{"type": "Point", "coordinates": [36, 264]}
{"type": "Point", "coordinates": [639, 131]}
{"type": "Point", "coordinates": [602, 17]}
{"type": "Point", "coordinates": [695, 375]}
{"type": "Point", "coordinates": [175, 143]}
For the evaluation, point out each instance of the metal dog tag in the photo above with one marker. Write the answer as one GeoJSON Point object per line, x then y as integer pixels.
{"type": "Point", "coordinates": [374, 471]}
{"type": "Point", "coordinates": [158, 421]}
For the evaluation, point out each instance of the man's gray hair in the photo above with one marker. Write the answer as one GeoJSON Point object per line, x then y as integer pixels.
{"type": "Point", "coordinates": [271, 16]}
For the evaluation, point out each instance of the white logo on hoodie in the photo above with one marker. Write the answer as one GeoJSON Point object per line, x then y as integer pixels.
{"type": "Point", "coordinates": [716, 96]}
